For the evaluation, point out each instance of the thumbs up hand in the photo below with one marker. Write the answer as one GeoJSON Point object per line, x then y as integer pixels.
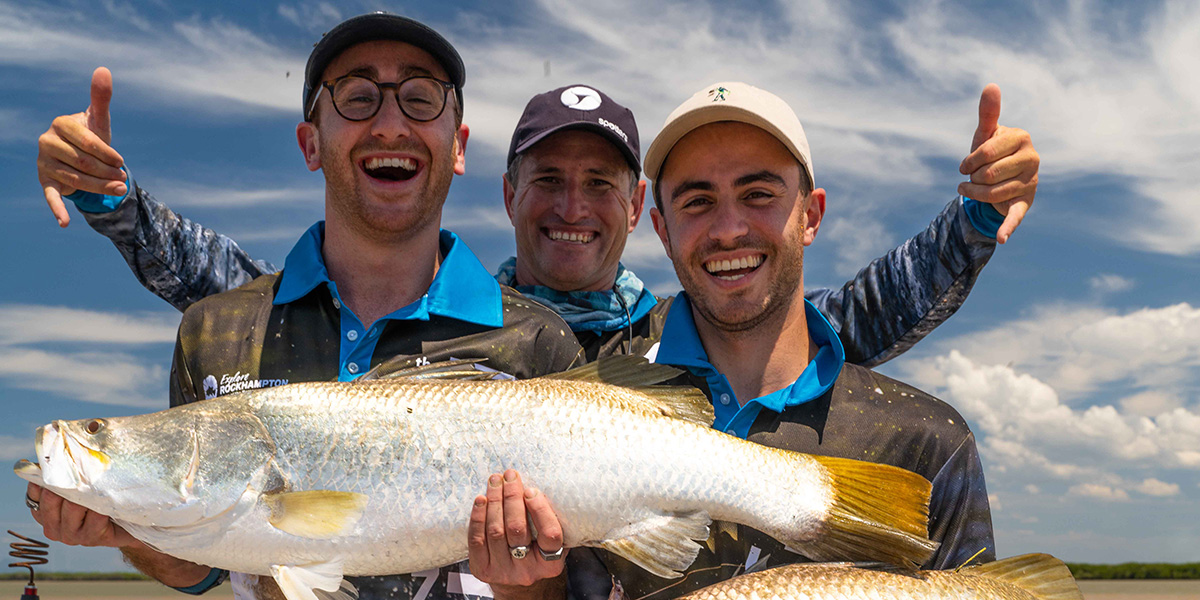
{"type": "Point", "coordinates": [75, 153]}
{"type": "Point", "coordinates": [1002, 165]}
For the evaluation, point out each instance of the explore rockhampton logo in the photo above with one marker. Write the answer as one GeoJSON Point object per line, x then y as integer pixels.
{"type": "Point", "coordinates": [235, 383]}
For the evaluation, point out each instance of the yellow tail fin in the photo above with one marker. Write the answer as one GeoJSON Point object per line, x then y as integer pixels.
{"type": "Point", "coordinates": [1042, 575]}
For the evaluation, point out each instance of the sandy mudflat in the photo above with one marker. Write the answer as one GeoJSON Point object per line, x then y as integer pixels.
{"type": "Point", "coordinates": [106, 590]}
{"type": "Point", "coordinates": [1176, 589]}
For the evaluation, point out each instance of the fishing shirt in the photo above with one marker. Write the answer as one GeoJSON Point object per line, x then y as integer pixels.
{"type": "Point", "coordinates": [833, 409]}
{"type": "Point", "coordinates": [891, 304]}
{"type": "Point", "coordinates": [292, 327]}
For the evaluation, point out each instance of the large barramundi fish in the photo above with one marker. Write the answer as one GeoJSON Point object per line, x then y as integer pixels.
{"type": "Point", "coordinates": [311, 481]}
{"type": "Point", "coordinates": [1025, 577]}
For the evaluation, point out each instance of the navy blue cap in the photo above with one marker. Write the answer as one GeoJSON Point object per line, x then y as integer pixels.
{"type": "Point", "coordinates": [380, 26]}
{"type": "Point", "coordinates": [577, 107]}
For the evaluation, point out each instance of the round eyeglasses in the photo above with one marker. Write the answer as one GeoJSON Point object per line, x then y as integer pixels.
{"type": "Point", "coordinates": [357, 98]}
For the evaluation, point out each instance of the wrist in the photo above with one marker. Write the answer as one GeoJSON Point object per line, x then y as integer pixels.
{"type": "Point", "coordinates": [91, 202]}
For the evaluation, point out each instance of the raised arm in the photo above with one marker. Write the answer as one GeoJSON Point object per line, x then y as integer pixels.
{"type": "Point", "coordinates": [902, 296]}
{"type": "Point", "coordinates": [179, 260]}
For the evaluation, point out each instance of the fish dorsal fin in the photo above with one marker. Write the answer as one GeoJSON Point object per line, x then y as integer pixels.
{"type": "Point", "coordinates": [404, 367]}
{"type": "Point", "coordinates": [315, 514]}
{"type": "Point", "coordinates": [625, 371]}
{"type": "Point", "coordinates": [316, 581]}
{"type": "Point", "coordinates": [682, 402]}
{"type": "Point", "coordinates": [663, 545]}
{"type": "Point", "coordinates": [1042, 575]}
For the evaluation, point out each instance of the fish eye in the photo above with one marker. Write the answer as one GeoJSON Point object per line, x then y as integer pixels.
{"type": "Point", "coordinates": [94, 426]}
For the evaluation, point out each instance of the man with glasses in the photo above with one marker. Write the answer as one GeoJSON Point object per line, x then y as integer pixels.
{"type": "Point", "coordinates": [376, 279]}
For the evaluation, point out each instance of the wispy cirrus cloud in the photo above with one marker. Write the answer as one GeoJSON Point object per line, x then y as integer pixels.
{"type": "Point", "coordinates": [107, 370]}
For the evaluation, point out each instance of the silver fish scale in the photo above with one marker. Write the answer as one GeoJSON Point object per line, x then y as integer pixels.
{"type": "Point", "coordinates": [826, 582]}
{"type": "Point", "coordinates": [422, 451]}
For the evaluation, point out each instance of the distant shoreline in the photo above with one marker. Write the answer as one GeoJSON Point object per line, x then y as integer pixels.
{"type": "Point", "coordinates": [1081, 571]}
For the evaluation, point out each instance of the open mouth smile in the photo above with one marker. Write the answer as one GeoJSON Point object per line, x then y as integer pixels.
{"type": "Point", "coordinates": [734, 269]}
{"type": "Point", "coordinates": [390, 169]}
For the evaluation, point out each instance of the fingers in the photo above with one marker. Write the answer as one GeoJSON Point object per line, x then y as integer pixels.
{"type": "Point", "coordinates": [516, 529]}
{"type": "Point", "coordinates": [53, 192]}
{"type": "Point", "coordinates": [49, 514]}
{"type": "Point", "coordinates": [1005, 143]}
{"type": "Point", "coordinates": [97, 112]}
{"type": "Point", "coordinates": [1016, 213]}
{"type": "Point", "coordinates": [545, 521]}
{"type": "Point", "coordinates": [70, 525]}
{"type": "Point", "coordinates": [989, 115]}
{"type": "Point", "coordinates": [477, 544]}
{"type": "Point", "coordinates": [72, 131]}
{"type": "Point", "coordinates": [70, 178]}
{"type": "Point", "coordinates": [497, 538]}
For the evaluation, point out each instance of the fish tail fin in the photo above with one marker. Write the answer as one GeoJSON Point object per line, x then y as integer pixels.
{"type": "Point", "coordinates": [878, 513]}
{"type": "Point", "coordinates": [1042, 575]}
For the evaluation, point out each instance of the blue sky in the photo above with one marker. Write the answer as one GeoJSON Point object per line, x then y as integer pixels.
{"type": "Point", "coordinates": [1074, 360]}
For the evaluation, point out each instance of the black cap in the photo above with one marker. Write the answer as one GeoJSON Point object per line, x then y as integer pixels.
{"type": "Point", "coordinates": [577, 107]}
{"type": "Point", "coordinates": [380, 26]}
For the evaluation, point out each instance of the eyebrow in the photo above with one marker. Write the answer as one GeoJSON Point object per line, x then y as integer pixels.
{"type": "Point", "coordinates": [694, 184]}
{"type": "Point", "coordinates": [370, 72]}
{"type": "Point", "coordinates": [763, 176]}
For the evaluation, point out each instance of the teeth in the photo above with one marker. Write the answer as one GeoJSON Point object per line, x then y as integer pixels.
{"type": "Point", "coordinates": [569, 236]}
{"type": "Point", "coordinates": [403, 163]}
{"type": "Point", "coordinates": [746, 262]}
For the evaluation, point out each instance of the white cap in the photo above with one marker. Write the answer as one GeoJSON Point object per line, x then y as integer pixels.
{"type": "Point", "coordinates": [730, 101]}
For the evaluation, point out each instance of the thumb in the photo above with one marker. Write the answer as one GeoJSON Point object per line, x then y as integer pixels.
{"type": "Point", "coordinates": [97, 112]}
{"type": "Point", "coordinates": [989, 115]}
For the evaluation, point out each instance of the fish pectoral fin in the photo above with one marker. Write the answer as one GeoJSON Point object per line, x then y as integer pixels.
{"type": "Point", "coordinates": [407, 367]}
{"type": "Point", "coordinates": [315, 514]}
{"type": "Point", "coordinates": [663, 545]}
{"type": "Point", "coordinates": [1042, 575]}
{"type": "Point", "coordinates": [682, 402]}
{"type": "Point", "coordinates": [316, 581]}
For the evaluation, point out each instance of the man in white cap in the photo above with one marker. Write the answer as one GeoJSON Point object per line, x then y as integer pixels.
{"type": "Point", "coordinates": [735, 209]}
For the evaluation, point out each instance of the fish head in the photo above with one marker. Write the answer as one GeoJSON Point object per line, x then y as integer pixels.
{"type": "Point", "coordinates": [167, 469]}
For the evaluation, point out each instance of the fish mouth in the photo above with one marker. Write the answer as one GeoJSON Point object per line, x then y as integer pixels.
{"type": "Point", "coordinates": [733, 269]}
{"type": "Point", "coordinates": [69, 460]}
{"type": "Point", "coordinates": [29, 471]}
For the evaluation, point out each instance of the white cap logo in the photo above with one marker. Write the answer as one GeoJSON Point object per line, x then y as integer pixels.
{"type": "Point", "coordinates": [210, 387]}
{"type": "Point", "coordinates": [581, 98]}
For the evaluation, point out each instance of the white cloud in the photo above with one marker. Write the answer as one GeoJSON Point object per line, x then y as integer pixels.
{"type": "Point", "coordinates": [1032, 489]}
{"type": "Point", "coordinates": [107, 375]}
{"type": "Point", "coordinates": [187, 194]}
{"type": "Point", "coordinates": [1154, 487]}
{"type": "Point", "coordinates": [14, 448]}
{"type": "Point", "coordinates": [31, 324]}
{"type": "Point", "coordinates": [1099, 492]}
{"type": "Point", "coordinates": [1108, 283]}
{"type": "Point", "coordinates": [858, 240]}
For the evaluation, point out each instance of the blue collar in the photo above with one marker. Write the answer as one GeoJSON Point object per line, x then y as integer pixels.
{"type": "Point", "coordinates": [681, 346]}
{"type": "Point", "coordinates": [462, 289]}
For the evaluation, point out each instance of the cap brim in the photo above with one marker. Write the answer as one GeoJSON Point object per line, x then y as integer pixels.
{"type": "Point", "coordinates": [688, 122]}
{"type": "Point", "coordinates": [608, 134]}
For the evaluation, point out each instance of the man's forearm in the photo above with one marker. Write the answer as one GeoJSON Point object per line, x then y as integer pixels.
{"type": "Point", "coordinates": [175, 572]}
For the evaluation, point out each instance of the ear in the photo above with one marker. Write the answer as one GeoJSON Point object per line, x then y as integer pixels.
{"type": "Point", "coordinates": [460, 149]}
{"type": "Point", "coordinates": [813, 213]}
{"type": "Point", "coordinates": [310, 147]}
{"type": "Point", "coordinates": [510, 195]}
{"type": "Point", "coordinates": [660, 227]}
{"type": "Point", "coordinates": [636, 204]}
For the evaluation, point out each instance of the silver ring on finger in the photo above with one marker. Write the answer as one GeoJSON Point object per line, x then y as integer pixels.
{"type": "Point", "coordinates": [33, 505]}
{"type": "Point", "coordinates": [518, 552]}
{"type": "Point", "coordinates": [551, 556]}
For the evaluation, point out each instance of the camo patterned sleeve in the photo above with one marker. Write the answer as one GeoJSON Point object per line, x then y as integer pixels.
{"type": "Point", "coordinates": [179, 260]}
{"type": "Point", "coordinates": [904, 295]}
{"type": "Point", "coordinates": [960, 516]}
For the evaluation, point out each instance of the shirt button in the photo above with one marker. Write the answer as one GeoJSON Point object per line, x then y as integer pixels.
{"type": "Point", "coordinates": [352, 367]}
{"type": "Point", "coordinates": [337, 304]}
{"type": "Point", "coordinates": [352, 335]}
{"type": "Point", "coordinates": [731, 431]}
{"type": "Point", "coordinates": [724, 398]}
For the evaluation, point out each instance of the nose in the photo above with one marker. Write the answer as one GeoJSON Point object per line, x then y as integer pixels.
{"type": "Point", "coordinates": [572, 204]}
{"type": "Point", "coordinates": [390, 122]}
{"type": "Point", "coordinates": [728, 224]}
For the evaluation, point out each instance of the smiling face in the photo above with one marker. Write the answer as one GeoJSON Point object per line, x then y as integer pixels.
{"type": "Point", "coordinates": [572, 209]}
{"type": "Point", "coordinates": [735, 221]}
{"type": "Point", "coordinates": [387, 176]}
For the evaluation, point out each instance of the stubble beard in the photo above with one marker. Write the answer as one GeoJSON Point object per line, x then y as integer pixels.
{"type": "Point", "coordinates": [739, 314]}
{"type": "Point", "coordinates": [384, 223]}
